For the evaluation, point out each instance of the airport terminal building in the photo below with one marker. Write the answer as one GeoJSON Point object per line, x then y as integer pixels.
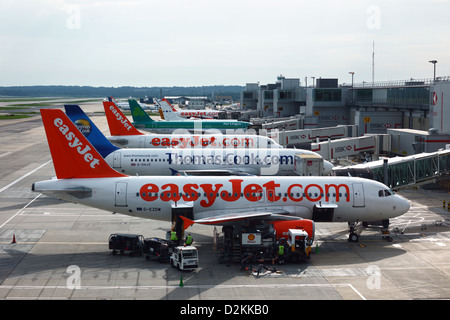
{"type": "Point", "coordinates": [375, 107]}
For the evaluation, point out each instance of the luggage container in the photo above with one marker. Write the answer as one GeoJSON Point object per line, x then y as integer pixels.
{"type": "Point", "coordinates": [126, 243]}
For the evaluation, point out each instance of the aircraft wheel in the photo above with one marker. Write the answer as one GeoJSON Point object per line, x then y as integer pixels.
{"type": "Point", "coordinates": [353, 237]}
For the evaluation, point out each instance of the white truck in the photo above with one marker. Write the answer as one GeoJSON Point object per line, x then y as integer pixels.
{"type": "Point", "coordinates": [299, 245]}
{"type": "Point", "coordinates": [184, 258]}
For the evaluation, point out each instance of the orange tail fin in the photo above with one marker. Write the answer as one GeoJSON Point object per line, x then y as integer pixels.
{"type": "Point", "coordinates": [119, 125]}
{"type": "Point", "coordinates": [73, 155]}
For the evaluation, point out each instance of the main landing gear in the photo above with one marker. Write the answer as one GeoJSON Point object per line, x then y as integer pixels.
{"type": "Point", "coordinates": [355, 229]}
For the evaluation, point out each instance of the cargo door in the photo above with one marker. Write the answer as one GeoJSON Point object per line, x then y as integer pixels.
{"type": "Point", "coordinates": [117, 163]}
{"type": "Point", "coordinates": [121, 194]}
{"type": "Point", "coordinates": [358, 195]}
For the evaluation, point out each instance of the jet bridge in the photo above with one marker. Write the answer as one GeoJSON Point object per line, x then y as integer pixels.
{"type": "Point", "coordinates": [402, 172]}
{"type": "Point", "coordinates": [301, 137]}
{"type": "Point", "coordinates": [334, 149]}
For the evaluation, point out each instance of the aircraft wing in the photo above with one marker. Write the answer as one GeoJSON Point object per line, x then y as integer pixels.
{"type": "Point", "coordinates": [215, 217]}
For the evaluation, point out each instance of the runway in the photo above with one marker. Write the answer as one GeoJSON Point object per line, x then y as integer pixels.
{"type": "Point", "coordinates": [61, 249]}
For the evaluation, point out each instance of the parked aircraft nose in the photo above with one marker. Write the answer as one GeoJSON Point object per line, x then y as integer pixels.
{"type": "Point", "coordinates": [328, 167]}
{"type": "Point", "coordinates": [402, 205]}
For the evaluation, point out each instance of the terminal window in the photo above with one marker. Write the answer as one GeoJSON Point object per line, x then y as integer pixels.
{"type": "Point", "coordinates": [327, 95]}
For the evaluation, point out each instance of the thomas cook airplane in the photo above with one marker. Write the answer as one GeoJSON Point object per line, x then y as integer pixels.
{"type": "Point", "coordinates": [84, 177]}
{"type": "Point", "coordinates": [169, 161]}
{"type": "Point", "coordinates": [125, 135]}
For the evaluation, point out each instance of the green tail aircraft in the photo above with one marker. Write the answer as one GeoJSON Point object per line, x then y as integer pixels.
{"type": "Point", "coordinates": [142, 120]}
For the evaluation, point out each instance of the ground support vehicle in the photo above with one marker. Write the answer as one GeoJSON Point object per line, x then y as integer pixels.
{"type": "Point", "coordinates": [157, 248]}
{"type": "Point", "coordinates": [184, 258]}
{"type": "Point", "coordinates": [258, 244]}
{"type": "Point", "coordinates": [126, 243]}
{"type": "Point", "coordinates": [299, 245]}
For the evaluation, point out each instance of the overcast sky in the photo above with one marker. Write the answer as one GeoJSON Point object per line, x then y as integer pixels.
{"type": "Point", "coordinates": [219, 42]}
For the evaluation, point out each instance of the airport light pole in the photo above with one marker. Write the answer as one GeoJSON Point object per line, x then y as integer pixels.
{"type": "Point", "coordinates": [434, 67]}
{"type": "Point", "coordinates": [353, 94]}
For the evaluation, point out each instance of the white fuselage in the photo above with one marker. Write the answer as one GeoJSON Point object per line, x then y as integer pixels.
{"type": "Point", "coordinates": [186, 113]}
{"type": "Point", "coordinates": [350, 199]}
{"type": "Point", "coordinates": [163, 161]}
{"type": "Point", "coordinates": [193, 140]}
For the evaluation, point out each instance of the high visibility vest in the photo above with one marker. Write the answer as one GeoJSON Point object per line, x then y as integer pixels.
{"type": "Point", "coordinates": [280, 250]}
{"type": "Point", "coordinates": [188, 240]}
{"type": "Point", "coordinates": [173, 236]}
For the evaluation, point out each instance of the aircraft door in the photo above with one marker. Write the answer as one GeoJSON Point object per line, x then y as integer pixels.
{"type": "Point", "coordinates": [142, 141]}
{"type": "Point", "coordinates": [121, 194]}
{"type": "Point", "coordinates": [117, 163]}
{"type": "Point", "coordinates": [358, 195]}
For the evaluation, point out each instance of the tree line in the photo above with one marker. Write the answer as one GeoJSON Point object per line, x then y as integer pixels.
{"type": "Point", "coordinates": [120, 92]}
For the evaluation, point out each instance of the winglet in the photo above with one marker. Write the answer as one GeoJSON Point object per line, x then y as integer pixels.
{"type": "Point", "coordinates": [161, 114]}
{"type": "Point", "coordinates": [139, 115]}
{"type": "Point", "coordinates": [187, 222]}
{"type": "Point", "coordinates": [73, 155]}
{"type": "Point", "coordinates": [119, 125]}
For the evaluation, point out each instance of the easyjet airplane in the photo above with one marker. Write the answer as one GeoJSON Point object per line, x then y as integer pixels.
{"type": "Point", "coordinates": [169, 161]}
{"type": "Point", "coordinates": [170, 113]}
{"type": "Point", "coordinates": [84, 177]}
{"type": "Point", "coordinates": [124, 134]}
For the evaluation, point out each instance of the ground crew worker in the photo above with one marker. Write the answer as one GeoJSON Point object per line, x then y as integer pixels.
{"type": "Point", "coordinates": [189, 240]}
{"type": "Point", "coordinates": [280, 253]}
{"type": "Point", "coordinates": [174, 237]}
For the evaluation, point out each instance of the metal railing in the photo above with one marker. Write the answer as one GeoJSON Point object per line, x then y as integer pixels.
{"type": "Point", "coordinates": [401, 83]}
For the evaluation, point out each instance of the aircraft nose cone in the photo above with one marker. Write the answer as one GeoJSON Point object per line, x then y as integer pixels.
{"type": "Point", "coordinates": [403, 205]}
{"type": "Point", "coordinates": [328, 167]}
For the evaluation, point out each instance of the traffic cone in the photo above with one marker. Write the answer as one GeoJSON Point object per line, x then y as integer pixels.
{"type": "Point", "coordinates": [181, 285]}
{"type": "Point", "coordinates": [14, 238]}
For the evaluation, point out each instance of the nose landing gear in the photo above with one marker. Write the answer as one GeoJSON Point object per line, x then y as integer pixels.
{"type": "Point", "coordinates": [355, 229]}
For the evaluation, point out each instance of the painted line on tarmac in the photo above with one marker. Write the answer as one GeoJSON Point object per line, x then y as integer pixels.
{"type": "Point", "coordinates": [24, 176]}
{"type": "Point", "coordinates": [18, 212]}
{"type": "Point", "coordinates": [221, 286]}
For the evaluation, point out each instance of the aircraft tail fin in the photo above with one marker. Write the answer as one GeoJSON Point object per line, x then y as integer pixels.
{"type": "Point", "coordinates": [169, 104]}
{"type": "Point", "coordinates": [138, 114]}
{"type": "Point", "coordinates": [90, 130]}
{"type": "Point", "coordinates": [169, 114]}
{"type": "Point", "coordinates": [72, 153]}
{"type": "Point", "coordinates": [118, 123]}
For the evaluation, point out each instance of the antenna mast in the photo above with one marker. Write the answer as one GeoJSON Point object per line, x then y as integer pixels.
{"type": "Point", "coordinates": [373, 62]}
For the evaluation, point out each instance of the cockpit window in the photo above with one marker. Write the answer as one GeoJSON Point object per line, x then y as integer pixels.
{"type": "Point", "coordinates": [385, 193]}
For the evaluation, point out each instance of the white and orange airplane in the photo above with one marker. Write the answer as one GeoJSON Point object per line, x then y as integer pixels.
{"type": "Point", "coordinates": [84, 177]}
{"type": "Point", "coordinates": [124, 134]}
{"type": "Point", "coordinates": [170, 113]}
